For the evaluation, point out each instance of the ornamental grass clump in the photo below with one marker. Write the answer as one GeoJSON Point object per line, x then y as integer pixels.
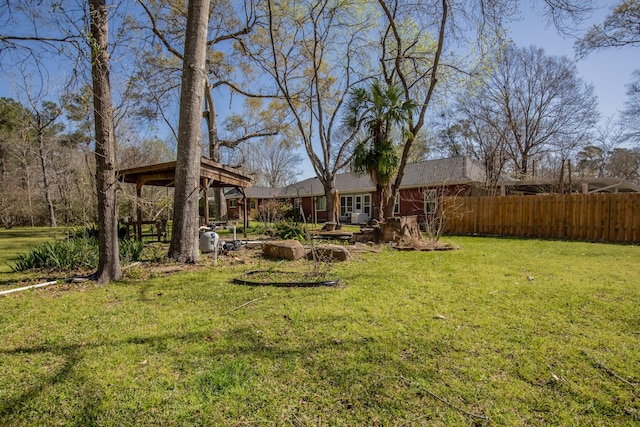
{"type": "Point", "coordinates": [75, 253]}
{"type": "Point", "coordinates": [66, 254]}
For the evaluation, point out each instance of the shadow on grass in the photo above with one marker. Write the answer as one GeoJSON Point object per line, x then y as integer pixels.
{"type": "Point", "coordinates": [11, 405]}
{"type": "Point", "coordinates": [244, 342]}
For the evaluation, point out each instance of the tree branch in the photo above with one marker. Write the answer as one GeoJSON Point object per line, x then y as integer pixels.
{"type": "Point", "coordinates": [232, 143]}
{"type": "Point", "coordinates": [159, 33]}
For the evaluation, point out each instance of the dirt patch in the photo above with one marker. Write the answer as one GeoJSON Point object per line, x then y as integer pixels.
{"type": "Point", "coordinates": [167, 269]}
{"type": "Point", "coordinates": [426, 246]}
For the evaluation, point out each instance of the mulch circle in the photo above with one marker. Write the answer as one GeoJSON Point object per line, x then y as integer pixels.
{"type": "Point", "coordinates": [277, 278]}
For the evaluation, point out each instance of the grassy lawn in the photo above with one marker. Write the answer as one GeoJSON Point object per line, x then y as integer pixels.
{"type": "Point", "coordinates": [19, 239]}
{"type": "Point", "coordinates": [501, 332]}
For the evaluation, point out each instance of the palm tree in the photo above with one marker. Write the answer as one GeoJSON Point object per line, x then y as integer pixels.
{"type": "Point", "coordinates": [380, 110]}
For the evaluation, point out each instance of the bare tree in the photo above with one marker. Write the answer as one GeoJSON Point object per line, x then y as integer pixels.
{"type": "Point", "coordinates": [534, 104]}
{"type": "Point", "coordinates": [17, 169]}
{"type": "Point", "coordinates": [313, 53]}
{"type": "Point", "coordinates": [184, 240]}
{"type": "Point", "coordinates": [229, 23]}
{"type": "Point", "coordinates": [53, 34]}
{"type": "Point", "coordinates": [630, 118]}
{"type": "Point", "coordinates": [625, 163]}
{"type": "Point", "coordinates": [42, 119]}
{"type": "Point", "coordinates": [591, 160]}
{"type": "Point", "coordinates": [271, 163]}
{"type": "Point", "coordinates": [485, 140]}
{"type": "Point", "coordinates": [413, 60]}
{"type": "Point", "coordinates": [619, 29]}
{"type": "Point", "coordinates": [109, 268]}
{"type": "Point", "coordinates": [449, 39]}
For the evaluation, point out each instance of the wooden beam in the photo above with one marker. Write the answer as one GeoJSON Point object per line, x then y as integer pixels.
{"type": "Point", "coordinates": [139, 186]}
{"type": "Point", "coordinates": [245, 214]}
{"type": "Point", "coordinates": [205, 186]}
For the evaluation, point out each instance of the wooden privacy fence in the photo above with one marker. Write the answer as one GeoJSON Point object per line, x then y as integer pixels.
{"type": "Point", "coordinates": [592, 217]}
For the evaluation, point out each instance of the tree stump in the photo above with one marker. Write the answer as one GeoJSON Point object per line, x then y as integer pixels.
{"type": "Point", "coordinates": [396, 229]}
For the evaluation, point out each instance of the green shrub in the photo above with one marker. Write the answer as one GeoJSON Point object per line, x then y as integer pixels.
{"type": "Point", "coordinates": [130, 250]}
{"type": "Point", "coordinates": [77, 252]}
{"type": "Point", "coordinates": [274, 211]}
{"type": "Point", "coordinates": [290, 230]}
{"type": "Point", "coordinates": [257, 228]}
{"type": "Point", "coordinates": [66, 254]}
{"type": "Point", "coordinates": [88, 231]}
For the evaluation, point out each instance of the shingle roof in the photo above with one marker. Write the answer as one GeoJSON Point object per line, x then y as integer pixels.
{"type": "Point", "coordinates": [428, 173]}
{"type": "Point", "coordinates": [454, 170]}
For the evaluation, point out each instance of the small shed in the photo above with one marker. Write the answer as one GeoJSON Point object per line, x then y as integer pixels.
{"type": "Point", "coordinates": [212, 174]}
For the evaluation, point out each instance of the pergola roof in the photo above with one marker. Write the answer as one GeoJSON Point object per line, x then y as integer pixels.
{"type": "Point", "coordinates": [163, 175]}
{"type": "Point", "coordinates": [212, 174]}
{"type": "Point", "coordinates": [579, 185]}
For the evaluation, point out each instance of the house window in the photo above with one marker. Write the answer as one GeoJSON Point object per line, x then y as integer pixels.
{"type": "Point", "coordinates": [252, 203]}
{"type": "Point", "coordinates": [367, 204]}
{"type": "Point", "coordinates": [321, 203]}
{"type": "Point", "coordinates": [396, 206]}
{"type": "Point", "coordinates": [430, 201]}
{"type": "Point", "coordinates": [233, 203]}
{"type": "Point", "coordinates": [346, 205]}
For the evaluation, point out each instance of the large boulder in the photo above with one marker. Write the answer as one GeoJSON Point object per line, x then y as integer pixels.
{"type": "Point", "coordinates": [283, 249]}
{"type": "Point", "coordinates": [330, 253]}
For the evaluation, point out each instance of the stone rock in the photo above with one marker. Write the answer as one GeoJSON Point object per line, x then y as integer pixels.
{"type": "Point", "coordinates": [369, 234]}
{"type": "Point", "coordinates": [331, 253]}
{"type": "Point", "coordinates": [283, 249]}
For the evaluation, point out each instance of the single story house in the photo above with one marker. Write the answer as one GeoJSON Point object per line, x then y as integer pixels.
{"type": "Point", "coordinates": [422, 184]}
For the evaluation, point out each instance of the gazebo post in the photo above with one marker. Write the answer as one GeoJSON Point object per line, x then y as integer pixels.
{"type": "Point", "coordinates": [139, 185]}
{"type": "Point", "coordinates": [205, 185]}
{"type": "Point", "coordinates": [245, 215]}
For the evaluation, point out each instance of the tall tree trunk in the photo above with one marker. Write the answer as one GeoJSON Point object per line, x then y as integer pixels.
{"type": "Point", "coordinates": [387, 202]}
{"type": "Point", "coordinates": [220, 204]}
{"type": "Point", "coordinates": [29, 195]}
{"type": "Point", "coordinates": [184, 240]}
{"type": "Point", "coordinates": [109, 262]}
{"type": "Point", "coordinates": [333, 201]}
{"type": "Point", "coordinates": [212, 124]}
{"type": "Point", "coordinates": [45, 179]}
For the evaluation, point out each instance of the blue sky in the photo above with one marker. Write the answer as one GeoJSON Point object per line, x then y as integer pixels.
{"type": "Point", "coordinates": [608, 70]}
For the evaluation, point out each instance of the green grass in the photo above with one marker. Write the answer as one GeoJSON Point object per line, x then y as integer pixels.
{"type": "Point", "coordinates": [19, 239]}
{"type": "Point", "coordinates": [522, 332]}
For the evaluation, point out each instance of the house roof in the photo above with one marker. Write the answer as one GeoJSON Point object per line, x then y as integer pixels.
{"type": "Point", "coordinates": [428, 173]}
{"type": "Point", "coordinates": [253, 193]}
{"type": "Point", "coordinates": [450, 171]}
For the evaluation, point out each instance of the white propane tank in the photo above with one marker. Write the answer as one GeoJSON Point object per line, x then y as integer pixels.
{"type": "Point", "coordinates": [209, 242]}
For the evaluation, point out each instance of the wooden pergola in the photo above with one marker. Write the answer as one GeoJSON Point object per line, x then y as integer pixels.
{"type": "Point", "coordinates": [212, 174]}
